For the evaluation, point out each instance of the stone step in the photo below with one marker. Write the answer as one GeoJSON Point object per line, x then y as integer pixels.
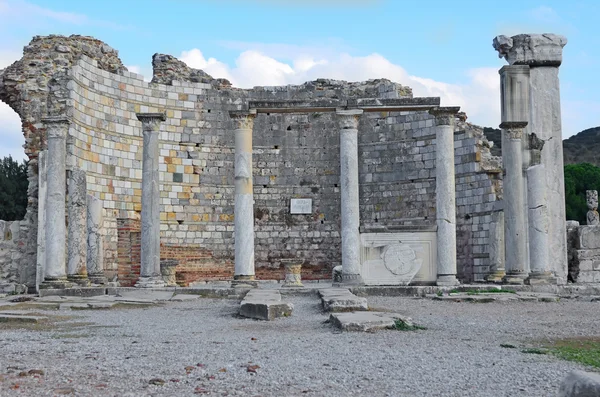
{"type": "Point", "coordinates": [264, 305]}
{"type": "Point", "coordinates": [16, 317]}
{"type": "Point", "coordinates": [367, 321]}
{"type": "Point", "coordinates": [341, 300]}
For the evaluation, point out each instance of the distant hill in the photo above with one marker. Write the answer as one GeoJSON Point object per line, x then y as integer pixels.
{"type": "Point", "coordinates": [583, 147]}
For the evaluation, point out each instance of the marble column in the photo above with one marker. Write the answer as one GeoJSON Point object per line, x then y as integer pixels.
{"type": "Point", "coordinates": [445, 195]}
{"type": "Point", "coordinates": [150, 274]}
{"type": "Point", "coordinates": [350, 210]}
{"type": "Point", "coordinates": [514, 222]}
{"type": "Point", "coordinates": [537, 197]}
{"type": "Point", "coordinates": [496, 248]}
{"type": "Point", "coordinates": [41, 227]}
{"type": "Point", "coordinates": [95, 248]}
{"type": "Point", "coordinates": [542, 53]}
{"type": "Point", "coordinates": [244, 199]}
{"type": "Point", "coordinates": [55, 270]}
{"type": "Point", "coordinates": [77, 230]}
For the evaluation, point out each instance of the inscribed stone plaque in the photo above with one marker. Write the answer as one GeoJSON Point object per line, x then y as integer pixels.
{"type": "Point", "coordinates": [301, 206]}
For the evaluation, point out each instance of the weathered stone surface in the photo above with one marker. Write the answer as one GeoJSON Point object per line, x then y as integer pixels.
{"type": "Point", "coordinates": [41, 218]}
{"type": "Point", "coordinates": [77, 230]}
{"type": "Point", "coordinates": [531, 49]}
{"type": "Point", "coordinates": [367, 321]}
{"type": "Point", "coordinates": [264, 305]}
{"type": "Point", "coordinates": [589, 237]}
{"type": "Point", "coordinates": [592, 202]}
{"type": "Point", "coordinates": [580, 384]}
{"type": "Point", "coordinates": [18, 318]}
{"type": "Point", "coordinates": [95, 249]}
{"type": "Point", "coordinates": [293, 274]}
{"type": "Point", "coordinates": [341, 300]}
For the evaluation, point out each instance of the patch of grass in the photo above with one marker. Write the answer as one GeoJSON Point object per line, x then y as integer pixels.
{"type": "Point", "coordinates": [585, 351]}
{"type": "Point", "coordinates": [482, 291]}
{"type": "Point", "coordinates": [400, 325]}
{"type": "Point", "coordinates": [535, 350]}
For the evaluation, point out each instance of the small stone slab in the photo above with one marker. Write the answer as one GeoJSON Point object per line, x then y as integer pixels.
{"type": "Point", "coordinates": [12, 317]}
{"type": "Point", "coordinates": [101, 305]}
{"type": "Point", "coordinates": [580, 384]}
{"type": "Point", "coordinates": [146, 295]}
{"type": "Point", "coordinates": [366, 321]}
{"type": "Point", "coordinates": [341, 300]}
{"type": "Point", "coordinates": [184, 298]}
{"type": "Point", "coordinates": [264, 305]}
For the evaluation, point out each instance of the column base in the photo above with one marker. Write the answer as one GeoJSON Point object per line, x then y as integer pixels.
{"type": "Point", "coordinates": [150, 282]}
{"type": "Point", "coordinates": [447, 280]}
{"type": "Point", "coordinates": [536, 278]}
{"type": "Point", "coordinates": [81, 281]}
{"type": "Point", "coordinates": [496, 277]}
{"type": "Point", "coordinates": [244, 281]}
{"type": "Point", "coordinates": [97, 278]}
{"type": "Point", "coordinates": [515, 278]}
{"type": "Point", "coordinates": [55, 283]}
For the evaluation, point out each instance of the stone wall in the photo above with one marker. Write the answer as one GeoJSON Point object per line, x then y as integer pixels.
{"type": "Point", "coordinates": [11, 251]}
{"type": "Point", "coordinates": [295, 156]}
{"type": "Point", "coordinates": [583, 247]}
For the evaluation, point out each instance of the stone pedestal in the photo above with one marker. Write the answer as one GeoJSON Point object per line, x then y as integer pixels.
{"type": "Point", "coordinates": [542, 53]}
{"type": "Point", "coordinates": [78, 242]}
{"type": "Point", "coordinates": [95, 247]}
{"type": "Point", "coordinates": [445, 193]}
{"type": "Point", "coordinates": [244, 200]}
{"type": "Point", "coordinates": [55, 271]}
{"type": "Point", "coordinates": [150, 274]}
{"type": "Point", "coordinates": [293, 273]}
{"type": "Point", "coordinates": [168, 271]}
{"type": "Point", "coordinates": [350, 212]}
{"type": "Point", "coordinates": [514, 223]}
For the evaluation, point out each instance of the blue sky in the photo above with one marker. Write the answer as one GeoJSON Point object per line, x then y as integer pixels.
{"type": "Point", "coordinates": [438, 48]}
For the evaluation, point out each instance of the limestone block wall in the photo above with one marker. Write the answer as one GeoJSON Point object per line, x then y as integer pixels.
{"type": "Point", "coordinates": [11, 250]}
{"type": "Point", "coordinates": [584, 253]}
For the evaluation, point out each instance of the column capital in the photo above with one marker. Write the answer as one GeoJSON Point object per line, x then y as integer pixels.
{"type": "Point", "coordinates": [243, 119]}
{"type": "Point", "coordinates": [444, 115]}
{"type": "Point", "coordinates": [348, 118]}
{"type": "Point", "coordinates": [531, 49]}
{"type": "Point", "coordinates": [513, 129]}
{"type": "Point", "coordinates": [57, 126]}
{"type": "Point", "coordinates": [151, 121]}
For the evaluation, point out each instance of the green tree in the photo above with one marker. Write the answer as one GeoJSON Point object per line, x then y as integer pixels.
{"type": "Point", "coordinates": [578, 179]}
{"type": "Point", "coordinates": [13, 189]}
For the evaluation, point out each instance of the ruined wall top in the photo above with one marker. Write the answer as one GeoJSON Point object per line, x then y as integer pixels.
{"type": "Point", "coordinates": [531, 49]}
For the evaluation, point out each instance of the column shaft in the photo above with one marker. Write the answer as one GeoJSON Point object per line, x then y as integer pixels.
{"type": "Point", "coordinates": [95, 248]}
{"type": "Point", "coordinates": [350, 210]}
{"type": "Point", "coordinates": [77, 244]}
{"type": "Point", "coordinates": [514, 223]}
{"type": "Point", "coordinates": [150, 275]}
{"type": "Point", "coordinates": [55, 272]}
{"type": "Point", "coordinates": [41, 231]}
{"type": "Point", "coordinates": [445, 196]}
{"type": "Point", "coordinates": [244, 199]}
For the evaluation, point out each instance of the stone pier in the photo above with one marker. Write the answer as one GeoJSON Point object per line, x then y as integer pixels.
{"type": "Point", "coordinates": [514, 222]}
{"type": "Point", "coordinates": [348, 126]}
{"type": "Point", "coordinates": [55, 271]}
{"type": "Point", "coordinates": [445, 193]}
{"type": "Point", "coordinates": [244, 199]}
{"type": "Point", "coordinates": [542, 55]}
{"type": "Point", "coordinates": [41, 226]}
{"type": "Point", "coordinates": [95, 248]}
{"type": "Point", "coordinates": [150, 274]}
{"type": "Point", "coordinates": [77, 243]}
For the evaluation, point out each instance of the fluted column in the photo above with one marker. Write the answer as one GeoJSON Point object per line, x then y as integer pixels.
{"type": "Point", "coordinates": [77, 244]}
{"type": "Point", "coordinates": [445, 195]}
{"type": "Point", "coordinates": [514, 223]}
{"type": "Point", "coordinates": [350, 211]}
{"type": "Point", "coordinates": [150, 275]}
{"type": "Point", "coordinates": [55, 269]}
{"type": "Point", "coordinates": [244, 199]}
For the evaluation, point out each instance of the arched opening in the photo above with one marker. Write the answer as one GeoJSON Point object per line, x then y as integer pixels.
{"type": "Point", "coordinates": [13, 166]}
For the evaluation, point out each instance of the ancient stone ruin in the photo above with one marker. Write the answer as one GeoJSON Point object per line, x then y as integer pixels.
{"type": "Point", "coordinates": [225, 183]}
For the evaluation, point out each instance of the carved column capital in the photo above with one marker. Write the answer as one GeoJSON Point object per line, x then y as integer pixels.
{"type": "Point", "coordinates": [531, 49]}
{"type": "Point", "coordinates": [348, 119]}
{"type": "Point", "coordinates": [57, 126]}
{"type": "Point", "coordinates": [151, 121]}
{"type": "Point", "coordinates": [513, 129]}
{"type": "Point", "coordinates": [243, 119]}
{"type": "Point", "coordinates": [444, 115]}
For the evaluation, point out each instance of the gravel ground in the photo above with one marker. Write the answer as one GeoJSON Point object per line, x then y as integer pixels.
{"type": "Point", "coordinates": [202, 347]}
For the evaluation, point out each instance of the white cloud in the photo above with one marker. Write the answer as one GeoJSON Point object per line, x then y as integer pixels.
{"type": "Point", "coordinates": [544, 14]}
{"type": "Point", "coordinates": [479, 97]}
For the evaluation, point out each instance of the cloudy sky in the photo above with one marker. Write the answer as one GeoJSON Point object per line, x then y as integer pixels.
{"type": "Point", "coordinates": [439, 48]}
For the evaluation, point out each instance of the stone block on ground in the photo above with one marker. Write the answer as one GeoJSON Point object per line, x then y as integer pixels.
{"type": "Point", "coordinates": [184, 297]}
{"type": "Point", "coordinates": [145, 294]}
{"type": "Point", "coordinates": [264, 305]}
{"type": "Point", "coordinates": [367, 321]}
{"type": "Point", "coordinates": [341, 300]}
{"type": "Point", "coordinates": [13, 317]}
{"type": "Point", "coordinates": [580, 384]}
